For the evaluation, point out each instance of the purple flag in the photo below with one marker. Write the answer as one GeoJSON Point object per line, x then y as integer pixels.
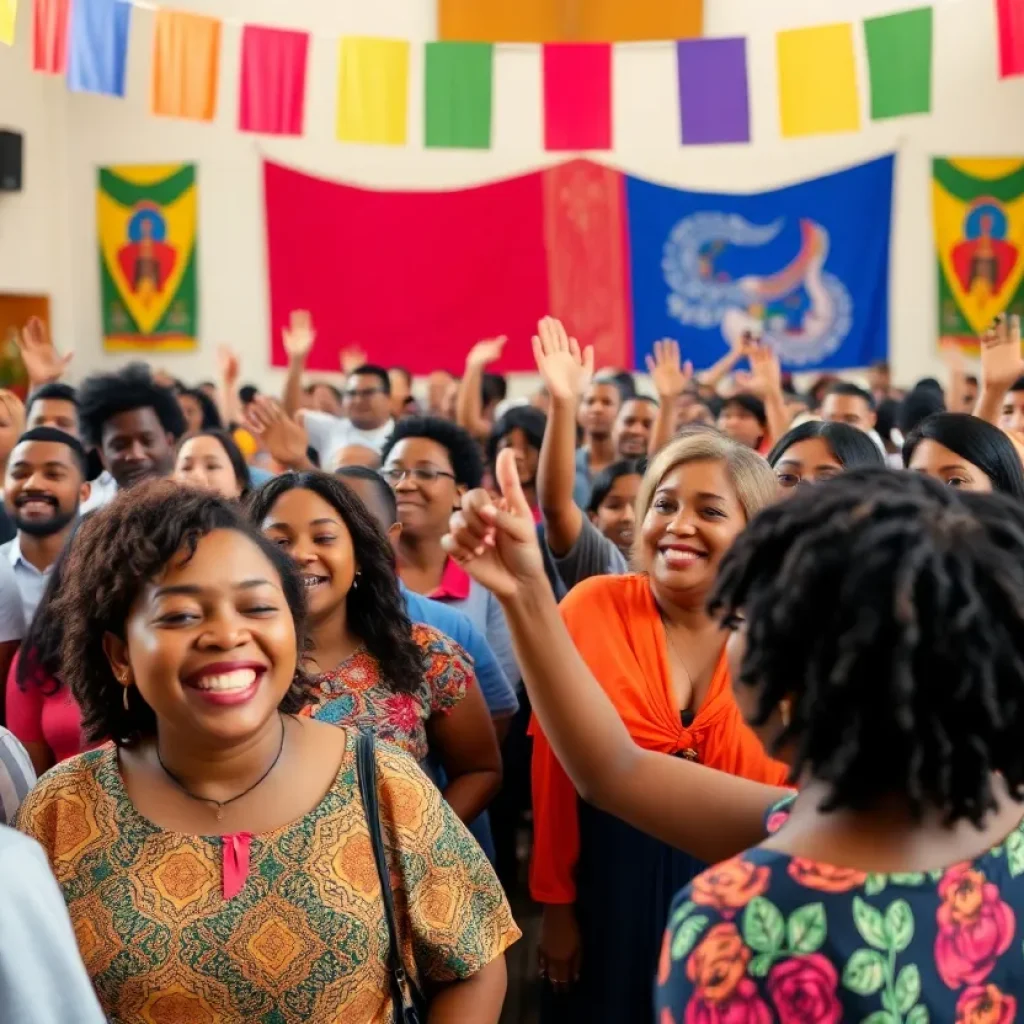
{"type": "Point", "coordinates": [98, 46]}
{"type": "Point", "coordinates": [713, 95]}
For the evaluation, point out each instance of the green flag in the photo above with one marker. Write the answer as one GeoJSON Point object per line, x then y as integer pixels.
{"type": "Point", "coordinates": [900, 63]}
{"type": "Point", "coordinates": [458, 95]}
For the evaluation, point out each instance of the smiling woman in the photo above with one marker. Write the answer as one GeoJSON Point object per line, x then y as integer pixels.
{"type": "Point", "coordinates": [606, 886]}
{"type": "Point", "coordinates": [182, 628]}
{"type": "Point", "coordinates": [372, 667]}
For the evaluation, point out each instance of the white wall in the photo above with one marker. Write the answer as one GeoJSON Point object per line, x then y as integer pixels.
{"type": "Point", "coordinates": [68, 136]}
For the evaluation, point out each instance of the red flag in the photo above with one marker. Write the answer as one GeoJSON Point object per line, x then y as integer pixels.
{"type": "Point", "coordinates": [1011, 37]}
{"type": "Point", "coordinates": [416, 278]}
{"type": "Point", "coordinates": [577, 96]}
{"type": "Point", "coordinates": [50, 36]}
{"type": "Point", "coordinates": [272, 97]}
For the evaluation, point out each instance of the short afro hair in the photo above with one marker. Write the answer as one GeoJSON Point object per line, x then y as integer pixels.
{"type": "Point", "coordinates": [105, 395]}
{"type": "Point", "coordinates": [463, 451]}
{"type": "Point", "coordinates": [115, 552]}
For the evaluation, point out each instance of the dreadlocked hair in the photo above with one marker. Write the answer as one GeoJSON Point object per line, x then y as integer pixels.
{"type": "Point", "coordinates": [376, 608]}
{"type": "Point", "coordinates": [889, 610]}
{"type": "Point", "coordinates": [115, 553]}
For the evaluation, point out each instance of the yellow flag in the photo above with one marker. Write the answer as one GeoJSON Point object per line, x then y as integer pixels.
{"type": "Point", "coordinates": [373, 91]}
{"type": "Point", "coordinates": [818, 81]}
{"type": "Point", "coordinates": [8, 14]}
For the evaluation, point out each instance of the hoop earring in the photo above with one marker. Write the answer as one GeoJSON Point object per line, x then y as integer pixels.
{"type": "Point", "coordinates": [124, 699]}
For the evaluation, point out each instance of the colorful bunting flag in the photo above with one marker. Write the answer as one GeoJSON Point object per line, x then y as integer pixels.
{"type": "Point", "coordinates": [8, 17]}
{"type": "Point", "coordinates": [1010, 14]}
{"type": "Point", "coordinates": [186, 58]}
{"type": "Point", "coordinates": [98, 46]}
{"type": "Point", "coordinates": [50, 36]}
{"type": "Point", "coordinates": [577, 96]}
{"type": "Point", "coordinates": [900, 63]}
{"type": "Point", "coordinates": [373, 91]}
{"type": "Point", "coordinates": [459, 84]}
{"type": "Point", "coordinates": [818, 81]}
{"type": "Point", "coordinates": [618, 21]}
{"type": "Point", "coordinates": [568, 21]}
{"type": "Point", "coordinates": [713, 91]}
{"type": "Point", "coordinates": [272, 96]}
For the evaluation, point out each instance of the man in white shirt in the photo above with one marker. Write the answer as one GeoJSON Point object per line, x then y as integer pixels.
{"type": "Point", "coordinates": [367, 423]}
{"type": "Point", "coordinates": [44, 488]}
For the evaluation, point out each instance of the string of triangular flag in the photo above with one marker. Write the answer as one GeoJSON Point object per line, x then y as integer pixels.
{"type": "Point", "coordinates": [87, 41]}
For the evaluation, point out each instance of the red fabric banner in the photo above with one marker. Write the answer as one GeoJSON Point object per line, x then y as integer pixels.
{"type": "Point", "coordinates": [50, 36]}
{"type": "Point", "coordinates": [577, 96]}
{"type": "Point", "coordinates": [416, 278]}
{"type": "Point", "coordinates": [1011, 37]}
{"type": "Point", "coordinates": [272, 90]}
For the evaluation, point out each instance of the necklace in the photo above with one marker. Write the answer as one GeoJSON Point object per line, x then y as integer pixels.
{"type": "Point", "coordinates": [221, 804]}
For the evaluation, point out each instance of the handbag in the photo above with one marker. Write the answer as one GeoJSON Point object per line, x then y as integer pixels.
{"type": "Point", "coordinates": [410, 1006]}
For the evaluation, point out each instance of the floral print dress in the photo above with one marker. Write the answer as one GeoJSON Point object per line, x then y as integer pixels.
{"type": "Point", "coordinates": [356, 694]}
{"type": "Point", "coordinates": [768, 937]}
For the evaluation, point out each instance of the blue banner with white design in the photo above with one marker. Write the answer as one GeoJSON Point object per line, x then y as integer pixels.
{"type": "Point", "coordinates": [806, 266]}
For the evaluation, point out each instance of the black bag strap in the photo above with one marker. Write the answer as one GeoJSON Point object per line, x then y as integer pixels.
{"type": "Point", "coordinates": [404, 993]}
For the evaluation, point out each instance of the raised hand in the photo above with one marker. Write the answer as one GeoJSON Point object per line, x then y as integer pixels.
{"type": "Point", "coordinates": [496, 542]}
{"type": "Point", "coordinates": [43, 363]}
{"type": "Point", "coordinates": [352, 358]}
{"type": "Point", "coordinates": [299, 335]}
{"type": "Point", "coordinates": [765, 370]}
{"type": "Point", "coordinates": [952, 355]}
{"type": "Point", "coordinates": [1001, 362]}
{"type": "Point", "coordinates": [670, 376]}
{"type": "Point", "coordinates": [567, 371]}
{"type": "Point", "coordinates": [228, 366]}
{"type": "Point", "coordinates": [483, 353]}
{"type": "Point", "coordinates": [284, 438]}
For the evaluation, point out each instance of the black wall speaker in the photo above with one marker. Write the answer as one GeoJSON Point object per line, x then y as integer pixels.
{"type": "Point", "coordinates": [10, 161]}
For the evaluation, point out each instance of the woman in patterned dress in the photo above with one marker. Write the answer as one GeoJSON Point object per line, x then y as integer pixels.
{"type": "Point", "coordinates": [880, 647]}
{"type": "Point", "coordinates": [215, 858]}
{"type": "Point", "coordinates": [372, 667]}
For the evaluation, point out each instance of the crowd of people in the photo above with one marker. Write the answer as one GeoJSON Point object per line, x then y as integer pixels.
{"type": "Point", "coordinates": [292, 679]}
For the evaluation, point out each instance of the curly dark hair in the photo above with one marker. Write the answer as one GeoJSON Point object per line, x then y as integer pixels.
{"type": "Point", "coordinates": [890, 610]}
{"type": "Point", "coordinates": [115, 552]}
{"type": "Point", "coordinates": [463, 451]}
{"type": "Point", "coordinates": [376, 608]}
{"type": "Point", "coordinates": [108, 394]}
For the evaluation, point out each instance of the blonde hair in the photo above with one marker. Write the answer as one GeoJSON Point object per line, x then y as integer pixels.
{"type": "Point", "coordinates": [752, 477]}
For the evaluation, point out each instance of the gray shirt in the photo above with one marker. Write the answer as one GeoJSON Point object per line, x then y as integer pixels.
{"type": "Point", "coordinates": [593, 554]}
{"type": "Point", "coordinates": [42, 978]}
{"type": "Point", "coordinates": [17, 776]}
{"type": "Point", "coordinates": [12, 613]}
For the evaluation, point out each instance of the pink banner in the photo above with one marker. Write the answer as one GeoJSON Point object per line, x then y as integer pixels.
{"type": "Point", "coordinates": [272, 96]}
{"type": "Point", "coordinates": [577, 96]}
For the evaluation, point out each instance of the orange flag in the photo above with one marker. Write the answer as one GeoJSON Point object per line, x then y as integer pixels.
{"type": "Point", "coordinates": [553, 21]}
{"type": "Point", "coordinates": [186, 59]}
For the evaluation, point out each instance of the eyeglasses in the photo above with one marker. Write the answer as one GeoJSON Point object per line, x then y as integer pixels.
{"type": "Point", "coordinates": [363, 392]}
{"type": "Point", "coordinates": [421, 474]}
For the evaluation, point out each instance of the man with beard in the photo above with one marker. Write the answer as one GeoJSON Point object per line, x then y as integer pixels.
{"type": "Point", "coordinates": [133, 423]}
{"type": "Point", "coordinates": [44, 488]}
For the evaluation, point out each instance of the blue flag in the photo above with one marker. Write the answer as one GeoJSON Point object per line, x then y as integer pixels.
{"type": "Point", "coordinates": [810, 263]}
{"type": "Point", "coordinates": [98, 46]}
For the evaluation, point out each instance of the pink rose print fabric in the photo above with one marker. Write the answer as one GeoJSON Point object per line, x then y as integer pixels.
{"type": "Point", "coordinates": [766, 938]}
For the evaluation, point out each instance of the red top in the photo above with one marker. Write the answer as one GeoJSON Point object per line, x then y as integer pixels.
{"type": "Point", "coordinates": [44, 712]}
{"type": "Point", "coordinates": [615, 625]}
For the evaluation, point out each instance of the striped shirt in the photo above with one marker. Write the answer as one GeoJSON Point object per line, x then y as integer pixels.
{"type": "Point", "coordinates": [17, 776]}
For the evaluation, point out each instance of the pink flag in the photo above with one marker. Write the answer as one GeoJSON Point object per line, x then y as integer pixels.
{"type": "Point", "coordinates": [272, 98]}
{"type": "Point", "coordinates": [1011, 37]}
{"type": "Point", "coordinates": [577, 96]}
{"type": "Point", "coordinates": [50, 36]}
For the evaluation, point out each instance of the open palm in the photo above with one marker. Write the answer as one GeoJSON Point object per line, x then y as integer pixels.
{"type": "Point", "coordinates": [1001, 362]}
{"type": "Point", "coordinates": [43, 363]}
{"type": "Point", "coordinates": [670, 375]}
{"type": "Point", "coordinates": [566, 370]}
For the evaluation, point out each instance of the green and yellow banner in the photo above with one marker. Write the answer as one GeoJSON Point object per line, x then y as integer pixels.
{"type": "Point", "coordinates": [146, 223]}
{"type": "Point", "coordinates": [979, 236]}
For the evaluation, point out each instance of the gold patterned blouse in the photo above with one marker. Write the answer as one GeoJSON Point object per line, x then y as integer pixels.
{"type": "Point", "coordinates": [303, 939]}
